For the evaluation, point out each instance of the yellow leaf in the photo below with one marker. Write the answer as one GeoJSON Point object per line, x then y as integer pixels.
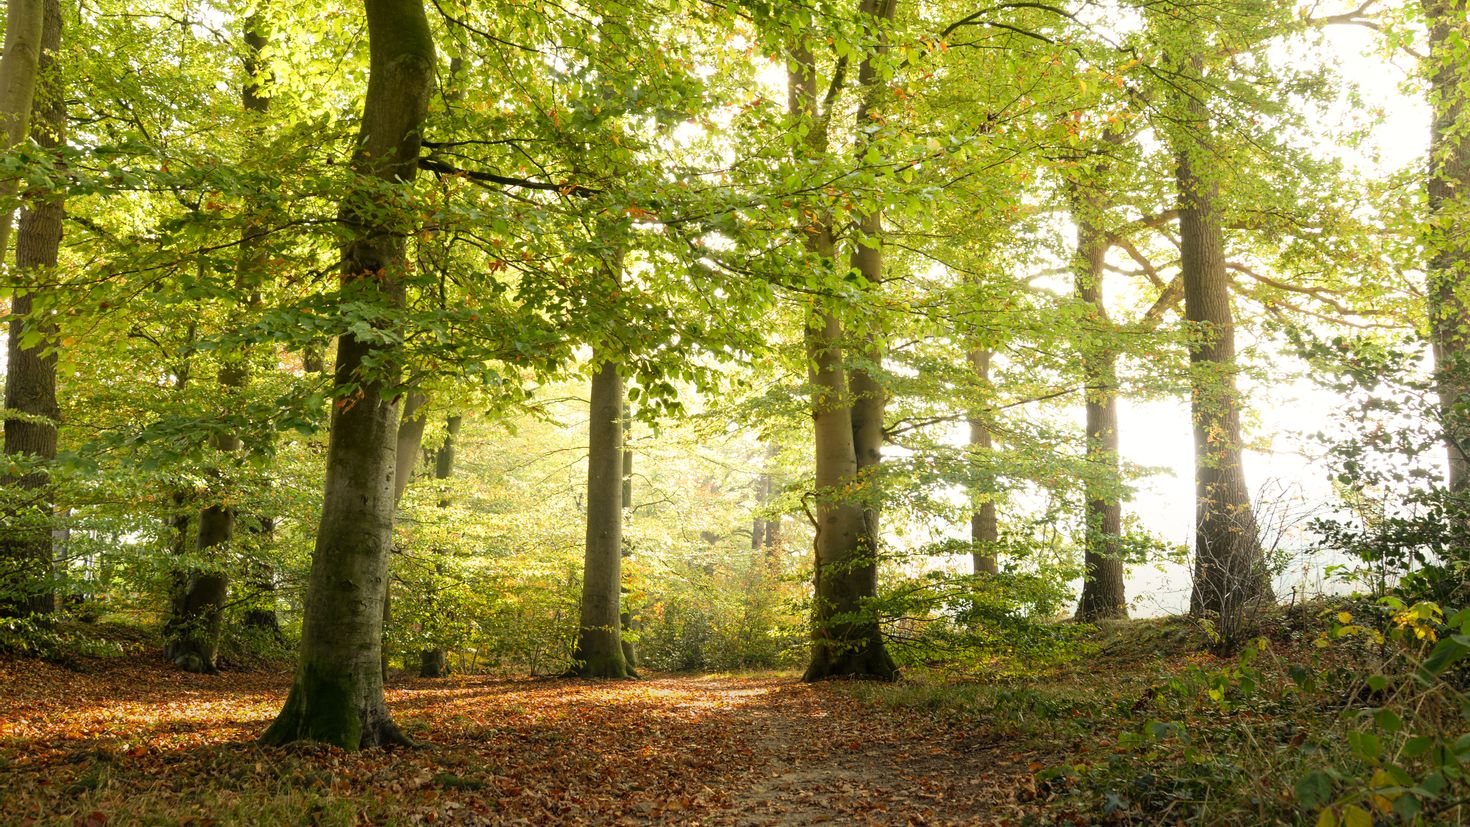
{"type": "Point", "coordinates": [1355, 816]}
{"type": "Point", "coordinates": [1327, 818]}
{"type": "Point", "coordinates": [1344, 617]}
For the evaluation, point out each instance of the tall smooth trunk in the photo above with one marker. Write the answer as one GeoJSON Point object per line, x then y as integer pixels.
{"type": "Point", "coordinates": [846, 637]}
{"type": "Point", "coordinates": [1103, 594]}
{"type": "Point", "coordinates": [1448, 191]}
{"type": "Point", "coordinates": [1230, 570]}
{"type": "Point", "coordinates": [337, 694]}
{"type": "Point", "coordinates": [599, 652]}
{"type": "Point", "coordinates": [26, 546]}
{"type": "Point", "coordinates": [984, 526]}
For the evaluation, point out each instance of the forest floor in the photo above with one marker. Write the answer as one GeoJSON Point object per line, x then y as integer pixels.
{"type": "Point", "coordinates": [129, 740]}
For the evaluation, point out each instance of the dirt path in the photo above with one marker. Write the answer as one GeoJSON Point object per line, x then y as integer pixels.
{"type": "Point", "coordinates": [136, 743]}
{"type": "Point", "coordinates": [828, 758]}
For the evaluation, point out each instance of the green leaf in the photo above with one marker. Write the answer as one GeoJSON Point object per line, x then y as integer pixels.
{"type": "Point", "coordinates": [1314, 790]}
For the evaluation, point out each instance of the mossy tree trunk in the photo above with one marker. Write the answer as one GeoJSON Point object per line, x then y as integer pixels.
{"type": "Point", "coordinates": [337, 694]}
{"type": "Point", "coordinates": [26, 546]}
{"type": "Point", "coordinates": [846, 638]}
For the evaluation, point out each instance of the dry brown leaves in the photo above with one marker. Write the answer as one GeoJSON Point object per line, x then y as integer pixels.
{"type": "Point", "coordinates": [136, 742]}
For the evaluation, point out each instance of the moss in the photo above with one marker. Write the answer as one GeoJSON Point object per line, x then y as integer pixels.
{"type": "Point", "coordinates": [602, 666]}
{"type": "Point", "coordinates": [323, 706]}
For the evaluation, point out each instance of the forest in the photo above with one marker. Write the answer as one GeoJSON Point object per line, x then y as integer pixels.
{"type": "Point", "coordinates": [744, 412]}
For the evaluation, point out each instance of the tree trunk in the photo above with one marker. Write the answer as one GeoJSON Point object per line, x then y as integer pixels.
{"type": "Point", "coordinates": [1230, 571]}
{"type": "Point", "coordinates": [20, 69]}
{"type": "Point", "coordinates": [627, 619]}
{"type": "Point", "coordinates": [406, 446]}
{"type": "Point", "coordinates": [984, 527]}
{"type": "Point", "coordinates": [260, 616]}
{"type": "Point", "coordinates": [208, 590]}
{"type": "Point", "coordinates": [432, 661]}
{"type": "Point", "coordinates": [846, 639]}
{"type": "Point", "coordinates": [337, 695]}
{"type": "Point", "coordinates": [599, 652]}
{"type": "Point", "coordinates": [1103, 595]}
{"type": "Point", "coordinates": [1449, 210]}
{"type": "Point", "coordinates": [26, 550]}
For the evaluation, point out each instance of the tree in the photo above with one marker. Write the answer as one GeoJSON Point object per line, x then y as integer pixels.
{"type": "Point", "coordinates": [337, 694]}
{"type": "Point", "coordinates": [20, 67]}
{"type": "Point", "coordinates": [432, 660]}
{"type": "Point", "coordinates": [1449, 208]}
{"type": "Point", "coordinates": [984, 527]}
{"type": "Point", "coordinates": [846, 636]}
{"type": "Point", "coordinates": [194, 630]}
{"type": "Point", "coordinates": [1230, 570]}
{"type": "Point", "coordinates": [30, 380]}
{"type": "Point", "coordinates": [1103, 594]}
{"type": "Point", "coordinates": [599, 652]}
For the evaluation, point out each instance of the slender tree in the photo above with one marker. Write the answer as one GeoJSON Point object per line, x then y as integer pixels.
{"type": "Point", "coordinates": [337, 694]}
{"type": "Point", "coordinates": [195, 630]}
{"type": "Point", "coordinates": [433, 662]}
{"type": "Point", "coordinates": [1449, 208]}
{"type": "Point", "coordinates": [1103, 594]}
{"type": "Point", "coordinates": [984, 526]}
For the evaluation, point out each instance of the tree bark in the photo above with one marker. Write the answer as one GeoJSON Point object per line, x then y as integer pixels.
{"type": "Point", "coordinates": [1449, 208]}
{"type": "Point", "coordinates": [846, 638]}
{"type": "Point", "coordinates": [1103, 595]}
{"type": "Point", "coordinates": [26, 549]}
{"type": "Point", "coordinates": [20, 69]}
{"type": "Point", "coordinates": [984, 527]}
{"type": "Point", "coordinates": [1230, 571]}
{"type": "Point", "coordinates": [203, 603]}
{"type": "Point", "coordinates": [599, 652]}
{"type": "Point", "coordinates": [433, 663]}
{"type": "Point", "coordinates": [337, 694]}
{"type": "Point", "coordinates": [627, 617]}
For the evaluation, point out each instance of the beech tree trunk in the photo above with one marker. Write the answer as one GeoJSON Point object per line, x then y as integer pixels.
{"type": "Point", "coordinates": [1230, 571]}
{"type": "Point", "coordinates": [20, 69]}
{"type": "Point", "coordinates": [195, 647]}
{"type": "Point", "coordinates": [984, 527]}
{"type": "Point", "coordinates": [337, 694]}
{"type": "Point", "coordinates": [433, 663]}
{"type": "Point", "coordinates": [846, 638]}
{"type": "Point", "coordinates": [599, 652]}
{"type": "Point", "coordinates": [26, 547]}
{"type": "Point", "coordinates": [1449, 211]}
{"type": "Point", "coordinates": [1103, 595]}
